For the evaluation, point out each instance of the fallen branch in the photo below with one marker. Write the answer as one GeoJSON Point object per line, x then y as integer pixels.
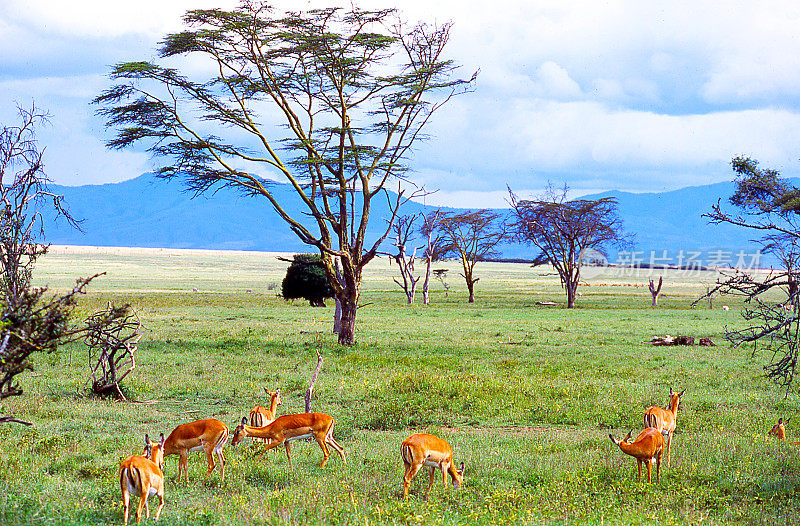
{"type": "Point", "coordinates": [9, 419]}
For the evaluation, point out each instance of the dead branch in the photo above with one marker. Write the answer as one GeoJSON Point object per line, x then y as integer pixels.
{"type": "Point", "coordinates": [314, 376]}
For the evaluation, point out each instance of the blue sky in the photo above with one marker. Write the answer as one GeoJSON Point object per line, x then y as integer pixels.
{"type": "Point", "coordinates": [627, 95]}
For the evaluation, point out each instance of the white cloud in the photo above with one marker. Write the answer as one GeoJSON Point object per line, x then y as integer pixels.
{"type": "Point", "coordinates": [621, 93]}
{"type": "Point", "coordinates": [103, 18]}
{"type": "Point", "coordinates": [555, 83]}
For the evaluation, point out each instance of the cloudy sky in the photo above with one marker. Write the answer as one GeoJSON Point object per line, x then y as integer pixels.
{"type": "Point", "coordinates": [628, 95]}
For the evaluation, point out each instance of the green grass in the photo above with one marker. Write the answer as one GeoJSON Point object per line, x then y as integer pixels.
{"type": "Point", "coordinates": [525, 394]}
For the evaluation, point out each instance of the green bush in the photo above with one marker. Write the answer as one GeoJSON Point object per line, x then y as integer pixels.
{"type": "Point", "coordinates": [305, 278]}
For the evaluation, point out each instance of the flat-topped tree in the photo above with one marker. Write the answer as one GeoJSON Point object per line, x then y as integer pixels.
{"type": "Point", "coordinates": [565, 231]}
{"type": "Point", "coordinates": [471, 237]}
{"type": "Point", "coordinates": [349, 91]}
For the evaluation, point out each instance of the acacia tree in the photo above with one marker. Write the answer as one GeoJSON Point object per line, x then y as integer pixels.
{"type": "Point", "coordinates": [566, 231]}
{"type": "Point", "coordinates": [472, 237]}
{"type": "Point", "coordinates": [770, 206]}
{"type": "Point", "coordinates": [353, 91]}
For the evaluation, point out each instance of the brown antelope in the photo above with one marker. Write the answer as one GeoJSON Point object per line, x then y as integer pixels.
{"type": "Point", "coordinates": [779, 430]}
{"type": "Point", "coordinates": [261, 416]}
{"type": "Point", "coordinates": [647, 447]}
{"type": "Point", "coordinates": [286, 428]}
{"type": "Point", "coordinates": [209, 435]}
{"type": "Point", "coordinates": [665, 420]}
{"type": "Point", "coordinates": [422, 449]}
{"type": "Point", "coordinates": [143, 476]}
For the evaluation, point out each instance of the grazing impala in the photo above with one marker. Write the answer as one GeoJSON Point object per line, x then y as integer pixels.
{"type": "Point", "coordinates": [286, 428]}
{"type": "Point", "coordinates": [261, 416]}
{"type": "Point", "coordinates": [665, 420]}
{"type": "Point", "coordinates": [421, 449]}
{"type": "Point", "coordinates": [143, 476]}
{"type": "Point", "coordinates": [647, 447]}
{"type": "Point", "coordinates": [779, 431]}
{"type": "Point", "coordinates": [209, 435]}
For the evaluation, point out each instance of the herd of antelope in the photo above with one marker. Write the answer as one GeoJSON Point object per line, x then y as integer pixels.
{"type": "Point", "coordinates": [143, 475]}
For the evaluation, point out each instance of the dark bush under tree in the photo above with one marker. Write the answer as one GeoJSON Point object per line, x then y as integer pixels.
{"type": "Point", "coordinates": [306, 278]}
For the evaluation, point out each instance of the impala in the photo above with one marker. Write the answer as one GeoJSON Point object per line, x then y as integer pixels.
{"type": "Point", "coordinates": [647, 447]}
{"type": "Point", "coordinates": [143, 476]}
{"type": "Point", "coordinates": [421, 449]}
{"type": "Point", "coordinates": [665, 420]}
{"type": "Point", "coordinates": [261, 416]}
{"type": "Point", "coordinates": [286, 428]}
{"type": "Point", "coordinates": [779, 430]}
{"type": "Point", "coordinates": [209, 435]}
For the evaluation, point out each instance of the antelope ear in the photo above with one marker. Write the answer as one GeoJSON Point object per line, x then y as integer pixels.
{"type": "Point", "coordinates": [244, 420]}
{"type": "Point", "coordinates": [780, 421]}
{"type": "Point", "coordinates": [161, 440]}
{"type": "Point", "coordinates": [461, 468]}
{"type": "Point", "coordinates": [630, 435]}
{"type": "Point", "coordinates": [146, 440]}
{"type": "Point", "coordinates": [681, 393]}
{"type": "Point", "coordinates": [267, 391]}
{"type": "Point", "coordinates": [670, 391]}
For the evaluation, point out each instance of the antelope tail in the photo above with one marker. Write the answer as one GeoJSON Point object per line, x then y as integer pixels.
{"type": "Point", "coordinates": [408, 456]}
{"type": "Point", "coordinates": [650, 420]}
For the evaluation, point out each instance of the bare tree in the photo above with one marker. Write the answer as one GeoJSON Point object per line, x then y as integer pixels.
{"type": "Point", "coordinates": [31, 321]}
{"type": "Point", "coordinates": [403, 233]}
{"type": "Point", "coordinates": [353, 90]}
{"type": "Point", "coordinates": [472, 237]}
{"type": "Point", "coordinates": [435, 250]}
{"type": "Point", "coordinates": [566, 231]}
{"type": "Point", "coordinates": [656, 290]}
{"type": "Point", "coordinates": [112, 335]}
{"type": "Point", "coordinates": [770, 206]}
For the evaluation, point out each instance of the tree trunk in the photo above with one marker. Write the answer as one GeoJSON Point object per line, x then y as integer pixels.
{"type": "Point", "coordinates": [347, 327]}
{"type": "Point", "coordinates": [337, 316]}
{"type": "Point", "coordinates": [571, 288]}
{"type": "Point", "coordinates": [471, 289]}
{"type": "Point", "coordinates": [426, 300]}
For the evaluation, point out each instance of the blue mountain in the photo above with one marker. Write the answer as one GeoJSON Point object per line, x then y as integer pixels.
{"type": "Point", "coordinates": [151, 212]}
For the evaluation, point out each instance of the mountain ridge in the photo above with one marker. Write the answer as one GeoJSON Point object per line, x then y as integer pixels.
{"type": "Point", "coordinates": [151, 212]}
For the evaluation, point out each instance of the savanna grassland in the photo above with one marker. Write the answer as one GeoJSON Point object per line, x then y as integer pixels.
{"type": "Point", "coordinates": [525, 394]}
